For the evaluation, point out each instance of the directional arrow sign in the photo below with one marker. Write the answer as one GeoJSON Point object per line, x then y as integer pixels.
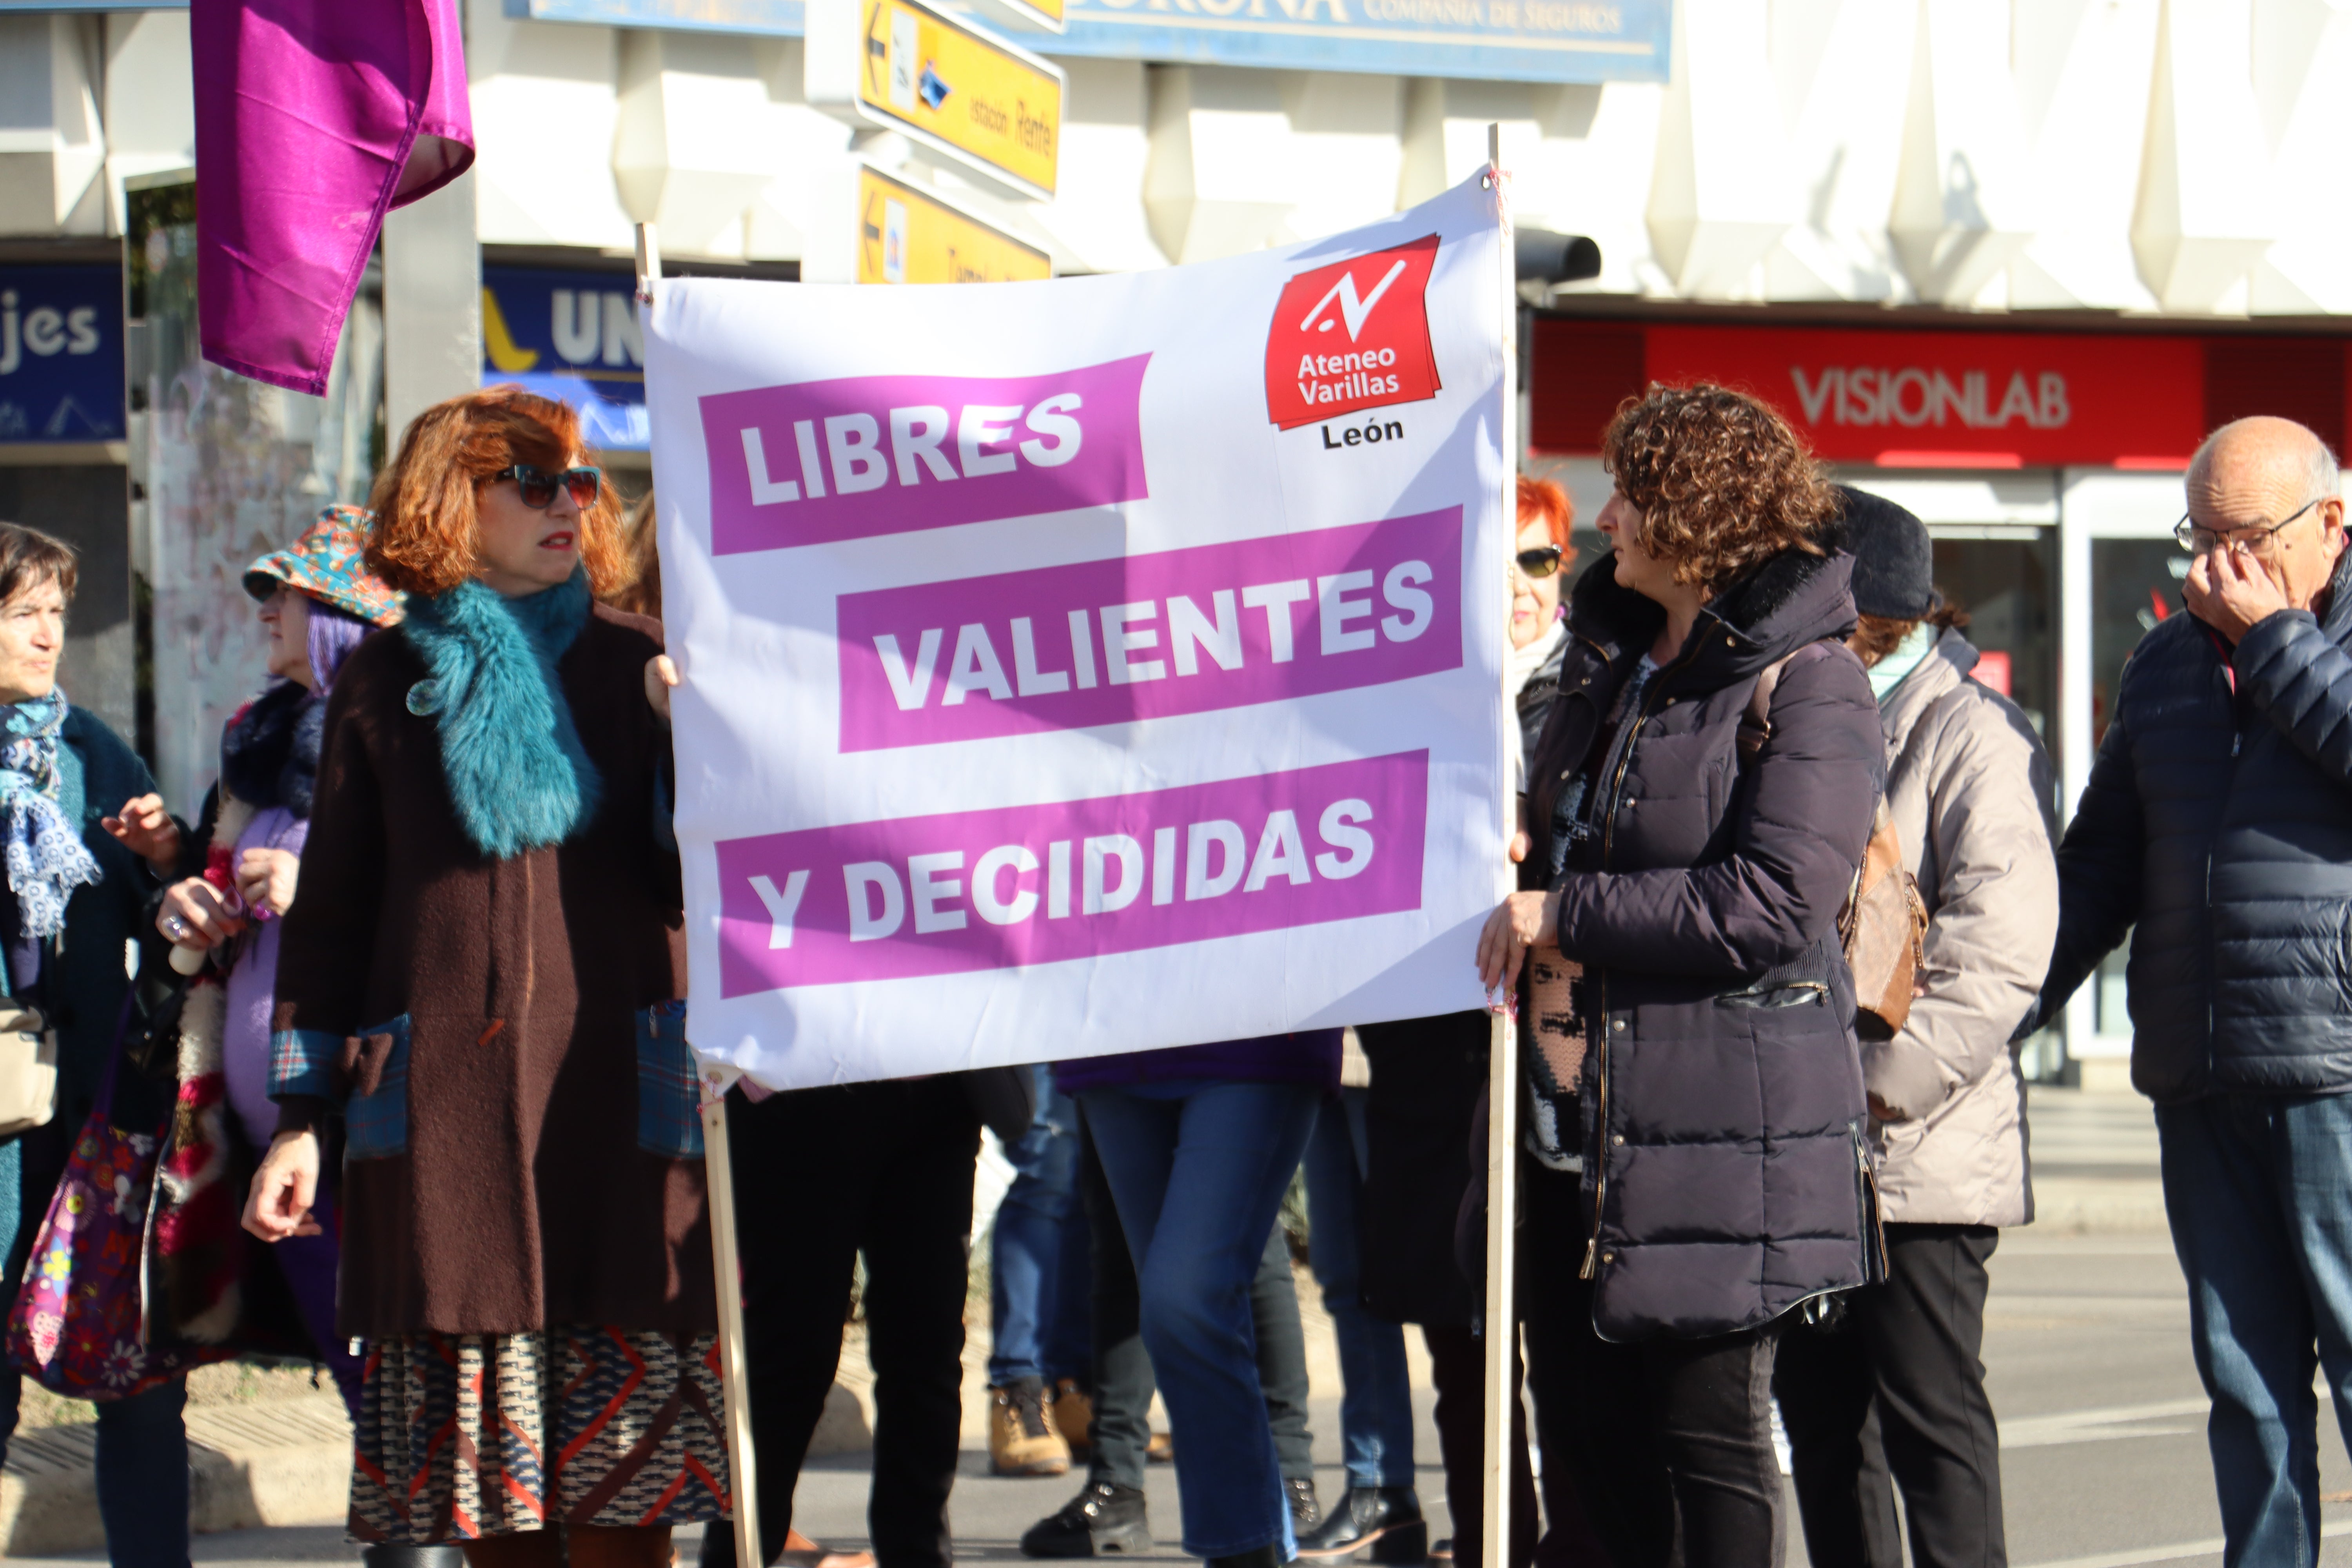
{"type": "Point", "coordinates": [906, 234]}
{"type": "Point", "coordinates": [963, 96]}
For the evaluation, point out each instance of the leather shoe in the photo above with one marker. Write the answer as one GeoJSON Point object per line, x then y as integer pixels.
{"type": "Point", "coordinates": [1102, 1520]}
{"type": "Point", "coordinates": [386, 1556]}
{"type": "Point", "coordinates": [1021, 1440]}
{"type": "Point", "coordinates": [1385, 1520]}
{"type": "Point", "coordinates": [1267, 1556]}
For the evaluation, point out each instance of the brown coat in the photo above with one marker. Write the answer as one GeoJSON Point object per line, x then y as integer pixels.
{"type": "Point", "coordinates": [538, 1162]}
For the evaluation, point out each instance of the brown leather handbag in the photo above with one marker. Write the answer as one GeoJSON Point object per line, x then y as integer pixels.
{"type": "Point", "coordinates": [1883, 926]}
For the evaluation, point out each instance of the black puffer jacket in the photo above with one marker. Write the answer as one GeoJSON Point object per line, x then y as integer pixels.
{"type": "Point", "coordinates": [1722, 1092]}
{"type": "Point", "coordinates": [2219, 824]}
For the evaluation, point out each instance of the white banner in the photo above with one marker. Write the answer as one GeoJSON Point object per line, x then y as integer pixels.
{"type": "Point", "coordinates": [1088, 665]}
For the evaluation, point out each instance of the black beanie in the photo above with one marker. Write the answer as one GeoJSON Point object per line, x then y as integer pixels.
{"type": "Point", "coordinates": [1894, 563]}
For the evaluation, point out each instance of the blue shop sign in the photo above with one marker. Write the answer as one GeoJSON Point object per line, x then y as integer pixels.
{"type": "Point", "coordinates": [1500, 40]}
{"type": "Point", "coordinates": [573, 337]}
{"type": "Point", "coordinates": [772, 17]}
{"type": "Point", "coordinates": [60, 353]}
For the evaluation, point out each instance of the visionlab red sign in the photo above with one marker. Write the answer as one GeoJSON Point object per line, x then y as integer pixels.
{"type": "Point", "coordinates": [1952, 399]}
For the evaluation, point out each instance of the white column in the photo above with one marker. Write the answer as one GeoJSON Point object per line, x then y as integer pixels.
{"type": "Point", "coordinates": [432, 304]}
{"type": "Point", "coordinates": [52, 145]}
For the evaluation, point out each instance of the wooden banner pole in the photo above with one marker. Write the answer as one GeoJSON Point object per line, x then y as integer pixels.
{"type": "Point", "coordinates": [719, 1177]}
{"type": "Point", "coordinates": [742, 1463]}
{"type": "Point", "coordinates": [1502, 1327]}
{"type": "Point", "coordinates": [1502, 1270]}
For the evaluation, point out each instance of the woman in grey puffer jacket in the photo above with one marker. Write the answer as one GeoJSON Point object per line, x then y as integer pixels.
{"type": "Point", "coordinates": [1969, 784]}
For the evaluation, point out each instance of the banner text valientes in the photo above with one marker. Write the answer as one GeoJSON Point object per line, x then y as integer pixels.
{"type": "Point", "coordinates": [1091, 665]}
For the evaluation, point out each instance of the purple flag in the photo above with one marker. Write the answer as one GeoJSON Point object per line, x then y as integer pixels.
{"type": "Point", "coordinates": [313, 120]}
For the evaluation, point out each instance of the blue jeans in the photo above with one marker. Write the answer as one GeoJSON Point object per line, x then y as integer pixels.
{"type": "Point", "coordinates": [1376, 1398]}
{"type": "Point", "coordinates": [143, 1471]}
{"type": "Point", "coordinates": [2259, 1190]}
{"type": "Point", "coordinates": [1040, 1286]}
{"type": "Point", "coordinates": [1198, 1172]}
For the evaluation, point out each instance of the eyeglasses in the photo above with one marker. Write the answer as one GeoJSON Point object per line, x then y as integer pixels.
{"type": "Point", "coordinates": [1540, 562]}
{"type": "Point", "coordinates": [2255, 538]}
{"type": "Point", "coordinates": [538, 486]}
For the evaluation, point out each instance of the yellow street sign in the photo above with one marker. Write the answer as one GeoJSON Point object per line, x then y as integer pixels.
{"type": "Point", "coordinates": [909, 236]}
{"type": "Point", "coordinates": [952, 88]}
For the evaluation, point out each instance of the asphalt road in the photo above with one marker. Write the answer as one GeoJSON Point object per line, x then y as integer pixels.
{"type": "Point", "coordinates": [2103, 1461]}
{"type": "Point", "coordinates": [2103, 1453]}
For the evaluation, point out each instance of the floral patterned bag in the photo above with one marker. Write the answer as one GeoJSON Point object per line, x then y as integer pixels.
{"type": "Point", "coordinates": [76, 1327]}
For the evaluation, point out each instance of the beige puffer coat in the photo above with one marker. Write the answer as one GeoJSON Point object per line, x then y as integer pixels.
{"type": "Point", "coordinates": [1967, 782]}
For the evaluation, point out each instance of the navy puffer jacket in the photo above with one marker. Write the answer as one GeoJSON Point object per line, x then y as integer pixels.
{"type": "Point", "coordinates": [2217, 828]}
{"type": "Point", "coordinates": [1724, 1150]}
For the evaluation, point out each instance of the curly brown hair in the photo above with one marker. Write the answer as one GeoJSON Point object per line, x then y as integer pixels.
{"type": "Point", "coordinates": [1876, 636]}
{"type": "Point", "coordinates": [1722, 483]}
{"type": "Point", "coordinates": [426, 529]}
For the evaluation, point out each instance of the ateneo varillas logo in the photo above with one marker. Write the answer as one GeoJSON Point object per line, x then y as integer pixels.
{"type": "Point", "coordinates": [1352, 336]}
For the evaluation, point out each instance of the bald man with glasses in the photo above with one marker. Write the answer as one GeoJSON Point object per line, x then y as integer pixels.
{"type": "Point", "coordinates": [2217, 831]}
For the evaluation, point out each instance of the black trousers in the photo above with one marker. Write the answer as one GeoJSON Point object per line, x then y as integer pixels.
{"type": "Point", "coordinates": [1457, 1369]}
{"type": "Point", "coordinates": [1670, 1440]}
{"type": "Point", "coordinates": [1123, 1378]}
{"type": "Point", "coordinates": [1898, 1387]}
{"type": "Point", "coordinates": [822, 1176]}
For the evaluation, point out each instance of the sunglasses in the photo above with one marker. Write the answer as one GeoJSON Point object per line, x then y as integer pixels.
{"type": "Point", "coordinates": [1540, 562]}
{"type": "Point", "coordinates": [538, 487]}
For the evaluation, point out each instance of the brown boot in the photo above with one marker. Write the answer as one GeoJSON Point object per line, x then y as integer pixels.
{"type": "Point", "coordinates": [1073, 1410]}
{"type": "Point", "coordinates": [1021, 1440]}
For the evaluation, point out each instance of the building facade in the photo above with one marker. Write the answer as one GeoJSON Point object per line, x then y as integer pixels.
{"type": "Point", "coordinates": [2005, 260]}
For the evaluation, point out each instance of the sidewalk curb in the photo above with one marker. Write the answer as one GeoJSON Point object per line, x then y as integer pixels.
{"type": "Point", "coordinates": [277, 1463]}
{"type": "Point", "coordinates": [287, 1462]}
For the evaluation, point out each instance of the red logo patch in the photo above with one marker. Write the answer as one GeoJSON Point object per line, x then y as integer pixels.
{"type": "Point", "coordinates": [1352, 336]}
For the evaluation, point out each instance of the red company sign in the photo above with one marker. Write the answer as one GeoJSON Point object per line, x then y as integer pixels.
{"type": "Point", "coordinates": [1957, 399]}
{"type": "Point", "coordinates": [1352, 336]}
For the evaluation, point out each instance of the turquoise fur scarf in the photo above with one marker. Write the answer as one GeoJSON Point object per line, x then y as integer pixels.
{"type": "Point", "coordinates": [516, 773]}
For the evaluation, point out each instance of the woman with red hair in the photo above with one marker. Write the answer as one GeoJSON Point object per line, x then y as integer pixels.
{"type": "Point", "coordinates": [479, 978]}
{"type": "Point", "coordinates": [1541, 557]}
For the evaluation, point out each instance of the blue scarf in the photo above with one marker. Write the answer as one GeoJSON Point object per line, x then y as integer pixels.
{"type": "Point", "coordinates": [518, 774]}
{"type": "Point", "coordinates": [46, 858]}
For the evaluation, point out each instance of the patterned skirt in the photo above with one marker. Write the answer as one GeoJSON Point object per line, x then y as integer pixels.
{"type": "Point", "coordinates": [464, 1436]}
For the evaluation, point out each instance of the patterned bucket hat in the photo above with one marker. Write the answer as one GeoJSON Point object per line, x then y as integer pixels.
{"type": "Point", "coordinates": [327, 564]}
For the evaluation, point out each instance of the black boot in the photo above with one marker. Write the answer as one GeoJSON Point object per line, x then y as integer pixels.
{"type": "Point", "coordinates": [412, 1557]}
{"type": "Point", "coordinates": [1387, 1520]}
{"type": "Point", "coordinates": [1267, 1556]}
{"type": "Point", "coordinates": [1306, 1513]}
{"type": "Point", "coordinates": [1101, 1520]}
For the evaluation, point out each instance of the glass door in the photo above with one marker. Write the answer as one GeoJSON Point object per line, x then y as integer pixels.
{"type": "Point", "coordinates": [2123, 576]}
{"type": "Point", "coordinates": [2005, 575]}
